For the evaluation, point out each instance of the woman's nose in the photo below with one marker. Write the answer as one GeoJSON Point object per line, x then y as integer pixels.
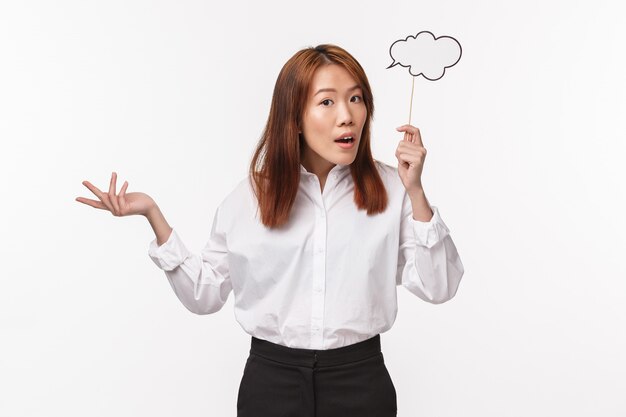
{"type": "Point", "coordinates": [345, 115]}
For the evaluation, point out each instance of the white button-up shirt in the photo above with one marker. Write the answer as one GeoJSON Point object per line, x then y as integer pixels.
{"type": "Point", "coordinates": [326, 279]}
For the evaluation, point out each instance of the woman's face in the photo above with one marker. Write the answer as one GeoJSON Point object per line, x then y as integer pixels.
{"type": "Point", "coordinates": [334, 107]}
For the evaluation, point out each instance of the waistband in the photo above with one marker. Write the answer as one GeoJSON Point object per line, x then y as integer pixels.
{"type": "Point", "coordinates": [316, 358]}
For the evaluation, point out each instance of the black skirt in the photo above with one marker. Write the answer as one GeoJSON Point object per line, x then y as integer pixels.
{"type": "Point", "coordinates": [279, 381]}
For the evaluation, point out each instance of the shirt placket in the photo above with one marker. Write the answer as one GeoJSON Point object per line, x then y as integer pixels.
{"type": "Point", "coordinates": [319, 275]}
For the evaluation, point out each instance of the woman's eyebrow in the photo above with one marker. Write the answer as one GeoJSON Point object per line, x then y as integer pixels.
{"type": "Point", "coordinates": [321, 90]}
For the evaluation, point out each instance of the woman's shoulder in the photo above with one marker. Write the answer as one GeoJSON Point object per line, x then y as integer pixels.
{"type": "Point", "coordinates": [240, 195]}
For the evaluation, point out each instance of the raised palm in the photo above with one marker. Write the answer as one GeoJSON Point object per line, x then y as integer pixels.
{"type": "Point", "coordinates": [121, 204]}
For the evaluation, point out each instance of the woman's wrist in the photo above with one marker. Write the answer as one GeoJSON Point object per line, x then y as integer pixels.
{"type": "Point", "coordinates": [153, 212]}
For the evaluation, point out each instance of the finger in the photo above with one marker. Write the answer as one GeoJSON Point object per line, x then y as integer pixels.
{"type": "Point", "coordinates": [92, 188]}
{"type": "Point", "coordinates": [107, 202]}
{"type": "Point", "coordinates": [102, 196]}
{"type": "Point", "coordinates": [123, 189]}
{"type": "Point", "coordinates": [122, 195]}
{"type": "Point", "coordinates": [407, 144]}
{"type": "Point", "coordinates": [416, 152]}
{"type": "Point", "coordinates": [112, 196]}
{"type": "Point", "coordinates": [92, 203]}
{"type": "Point", "coordinates": [409, 128]}
{"type": "Point", "coordinates": [412, 160]}
{"type": "Point", "coordinates": [410, 132]}
{"type": "Point", "coordinates": [404, 159]}
{"type": "Point", "coordinates": [112, 183]}
{"type": "Point", "coordinates": [417, 137]}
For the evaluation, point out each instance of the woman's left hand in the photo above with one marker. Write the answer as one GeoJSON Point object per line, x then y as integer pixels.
{"type": "Point", "coordinates": [411, 154]}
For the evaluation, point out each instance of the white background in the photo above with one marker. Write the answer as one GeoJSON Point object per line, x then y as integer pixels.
{"type": "Point", "coordinates": [525, 140]}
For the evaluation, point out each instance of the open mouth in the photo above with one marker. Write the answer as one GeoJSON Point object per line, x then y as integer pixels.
{"type": "Point", "coordinates": [345, 140]}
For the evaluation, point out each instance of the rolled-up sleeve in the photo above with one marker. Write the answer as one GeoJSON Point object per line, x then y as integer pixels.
{"type": "Point", "coordinates": [429, 265]}
{"type": "Point", "coordinates": [170, 254]}
{"type": "Point", "coordinates": [200, 281]}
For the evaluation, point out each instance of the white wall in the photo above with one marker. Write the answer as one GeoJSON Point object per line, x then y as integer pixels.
{"type": "Point", "coordinates": [525, 140]}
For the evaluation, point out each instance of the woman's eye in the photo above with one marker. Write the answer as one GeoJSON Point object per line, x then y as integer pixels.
{"type": "Point", "coordinates": [327, 100]}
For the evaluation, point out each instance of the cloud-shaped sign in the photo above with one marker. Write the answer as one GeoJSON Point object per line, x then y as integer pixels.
{"type": "Point", "coordinates": [426, 55]}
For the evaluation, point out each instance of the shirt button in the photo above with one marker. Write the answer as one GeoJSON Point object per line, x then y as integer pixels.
{"type": "Point", "coordinates": [318, 289]}
{"type": "Point", "coordinates": [322, 213]}
{"type": "Point", "coordinates": [320, 250]}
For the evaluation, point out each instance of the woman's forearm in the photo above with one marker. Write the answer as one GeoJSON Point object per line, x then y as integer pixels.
{"type": "Point", "coordinates": [161, 228]}
{"type": "Point", "coordinates": [421, 208]}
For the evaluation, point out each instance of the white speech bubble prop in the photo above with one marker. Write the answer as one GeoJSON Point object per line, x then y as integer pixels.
{"type": "Point", "coordinates": [425, 55]}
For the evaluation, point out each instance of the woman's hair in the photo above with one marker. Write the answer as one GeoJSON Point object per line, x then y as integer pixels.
{"type": "Point", "coordinates": [275, 166]}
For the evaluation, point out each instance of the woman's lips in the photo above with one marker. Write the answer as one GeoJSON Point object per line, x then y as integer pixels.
{"type": "Point", "coordinates": [346, 145]}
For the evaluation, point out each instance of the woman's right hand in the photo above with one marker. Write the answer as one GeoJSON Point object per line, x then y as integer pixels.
{"type": "Point", "coordinates": [119, 205]}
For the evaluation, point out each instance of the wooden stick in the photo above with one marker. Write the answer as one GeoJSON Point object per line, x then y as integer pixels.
{"type": "Point", "coordinates": [411, 108]}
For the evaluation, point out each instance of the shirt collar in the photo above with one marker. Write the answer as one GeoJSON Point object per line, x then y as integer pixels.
{"type": "Point", "coordinates": [337, 169]}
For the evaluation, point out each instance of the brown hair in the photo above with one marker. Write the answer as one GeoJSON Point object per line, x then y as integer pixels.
{"type": "Point", "coordinates": [278, 154]}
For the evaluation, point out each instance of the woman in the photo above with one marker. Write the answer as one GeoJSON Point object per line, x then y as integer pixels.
{"type": "Point", "coordinates": [313, 244]}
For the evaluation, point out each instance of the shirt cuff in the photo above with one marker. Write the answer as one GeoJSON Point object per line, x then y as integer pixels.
{"type": "Point", "coordinates": [429, 233]}
{"type": "Point", "coordinates": [170, 254]}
